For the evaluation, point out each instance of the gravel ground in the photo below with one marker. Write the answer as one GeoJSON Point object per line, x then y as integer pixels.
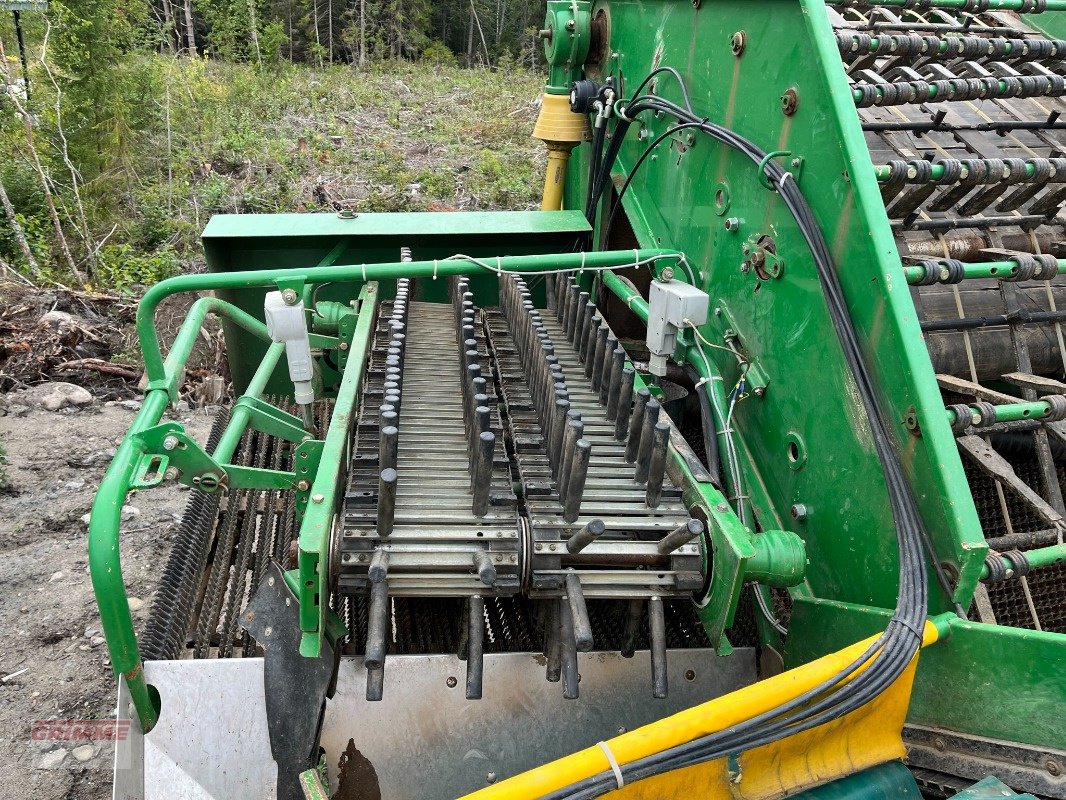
{"type": "Point", "coordinates": [54, 663]}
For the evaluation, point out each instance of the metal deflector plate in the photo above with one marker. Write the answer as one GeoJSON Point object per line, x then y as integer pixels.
{"type": "Point", "coordinates": [426, 740]}
{"type": "Point", "coordinates": [211, 740]}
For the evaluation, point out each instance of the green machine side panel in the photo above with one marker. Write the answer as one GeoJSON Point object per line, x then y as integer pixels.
{"type": "Point", "coordinates": [806, 437]}
{"type": "Point", "coordinates": [984, 680]}
{"type": "Point", "coordinates": [238, 242]}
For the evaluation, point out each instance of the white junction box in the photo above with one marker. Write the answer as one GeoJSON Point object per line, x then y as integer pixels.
{"type": "Point", "coordinates": [671, 305]}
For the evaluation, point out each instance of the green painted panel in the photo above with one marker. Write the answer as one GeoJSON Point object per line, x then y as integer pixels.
{"type": "Point", "coordinates": [985, 680]}
{"type": "Point", "coordinates": [783, 324]}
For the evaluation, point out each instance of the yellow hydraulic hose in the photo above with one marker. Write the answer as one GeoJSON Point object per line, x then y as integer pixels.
{"type": "Point", "coordinates": [707, 718]}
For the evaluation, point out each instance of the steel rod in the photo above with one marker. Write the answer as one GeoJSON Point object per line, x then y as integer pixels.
{"type": "Point", "coordinates": [475, 648]}
{"type": "Point", "coordinates": [657, 634]}
{"type": "Point", "coordinates": [578, 612]}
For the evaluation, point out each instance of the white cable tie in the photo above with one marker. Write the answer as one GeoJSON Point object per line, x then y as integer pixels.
{"type": "Point", "coordinates": [636, 258]}
{"type": "Point", "coordinates": [499, 267]}
{"type": "Point", "coordinates": [434, 269]}
{"type": "Point", "coordinates": [582, 270]}
{"type": "Point", "coordinates": [364, 273]}
{"type": "Point", "coordinates": [617, 770]}
{"type": "Point", "coordinates": [785, 177]}
{"type": "Point", "coordinates": [700, 382]}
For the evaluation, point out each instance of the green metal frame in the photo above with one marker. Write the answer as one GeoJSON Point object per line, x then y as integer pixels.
{"type": "Point", "coordinates": [802, 436]}
{"type": "Point", "coordinates": [321, 464]}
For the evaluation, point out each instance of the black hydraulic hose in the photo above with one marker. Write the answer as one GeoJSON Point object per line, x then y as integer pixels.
{"type": "Point", "coordinates": [595, 158]}
{"type": "Point", "coordinates": [710, 434]}
{"type": "Point", "coordinates": [887, 657]}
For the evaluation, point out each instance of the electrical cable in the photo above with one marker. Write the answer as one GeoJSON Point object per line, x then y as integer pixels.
{"type": "Point", "coordinates": [886, 658]}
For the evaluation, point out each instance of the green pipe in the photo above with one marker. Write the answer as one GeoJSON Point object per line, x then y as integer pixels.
{"type": "Point", "coordinates": [1041, 557]}
{"type": "Point", "coordinates": [238, 422]}
{"type": "Point", "coordinates": [190, 332]}
{"type": "Point", "coordinates": [153, 362]}
{"type": "Point", "coordinates": [931, 91]}
{"type": "Point", "coordinates": [942, 46]}
{"type": "Point", "coordinates": [104, 564]}
{"type": "Point", "coordinates": [936, 172]}
{"type": "Point", "coordinates": [985, 269]}
{"type": "Point", "coordinates": [1008, 412]}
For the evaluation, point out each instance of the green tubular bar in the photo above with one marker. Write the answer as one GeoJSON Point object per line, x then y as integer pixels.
{"type": "Point", "coordinates": [319, 515]}
{"type": "Point", "coordinates": [932, 92]}
{"type": "Point", "coordinates": [984, 269]}
{"type": "Point", "coordinates": [105, 567]}
{"type": "Point", "coordinates": [1041, 557]}
{"type": "Point", "coordinates": [238, 423]}
{"type": "Point", "coordinates": [943, 46]}
{"type": "Point", "coordinates": [884, 172]}
{"type": "Point", "coordinates": [1012, 412]}
{"type": "Point", "coordinates": [153, 361]}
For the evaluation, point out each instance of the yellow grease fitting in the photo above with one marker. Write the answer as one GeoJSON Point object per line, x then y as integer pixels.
{"type": "Point", "coordinates": [867, 736]}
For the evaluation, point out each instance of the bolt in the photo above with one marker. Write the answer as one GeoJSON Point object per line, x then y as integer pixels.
{"type": "Point", "coordinates": [452, 682]}
{"type": "Point", "coordinates": [538, 546]}
{"type": "Point", "coordinates": [551, 547]}
{"type": "Point", "coordinates": [1053, 767]}
{"type": "Point", "coordinates": [170, 442]}
{"type": "Point", "coordinates": [270, 581]}
{"type": "Point", "coordinates": [346, 213]}
{"type": "Point", "coordinates": [267, 630]}
{"type": "Point", "coordinates": [795, 163]}
{"type": "Point", "coordinates": [667, 275]}
{"type": "Point", "coordinates": [760, 391]}
{"type": "Point", "coordinates": [514, 559]}
{"type": "Point", "coordinates": [317, 498]}
{"type": "Point", "coordinates": [718, 311]}
{"type": "Point", "coordinates": [798, 512]}
{"type": "Point", "coordinates": [789, 101]}
{"type": "Point", "coordinates": [172, 474]}
{"type": "Point", "coordinates": [491, 776]}
{"type": "Point", "coordinates": [571, 25]}
{"type": "Point", "coordinates": [290, 297]}
{"type": "Point", "coordinates": [737, 43]}
{"type": "Point", "coordinates": [303, 486]}
{"type": "Point", "coordinates": [362, 556]}
{"type": "Point", "coordinates": [346, 557]}
{"type": "Point", "coordinates": [499, 558]}
{"type": "Point", "coordinates": [643, 134]}
{"type": "Point", "coordinates": [343, 346]}
{"type": "Point", "coordinates": [690, 139]}
{"type": "Point", "coordinates": [938, 744]}
{"type": "Point", "coordinates": [721, 508]}
{"type": "Point", "coordinates": [732, 223]}
{"type": "Point", "coordinates": [545, 34]}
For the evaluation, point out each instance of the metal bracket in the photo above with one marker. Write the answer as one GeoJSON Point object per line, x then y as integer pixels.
{"type": "Point", "coordinates": [195, 467]}
{"type": "Point", "coordinates": [272, 421]}
{"type": "Point", "coordinates": [308, 456]}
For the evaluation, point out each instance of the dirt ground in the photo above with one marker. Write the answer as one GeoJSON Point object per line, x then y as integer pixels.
{"type": "Point", "coordinates": [53, 661]}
